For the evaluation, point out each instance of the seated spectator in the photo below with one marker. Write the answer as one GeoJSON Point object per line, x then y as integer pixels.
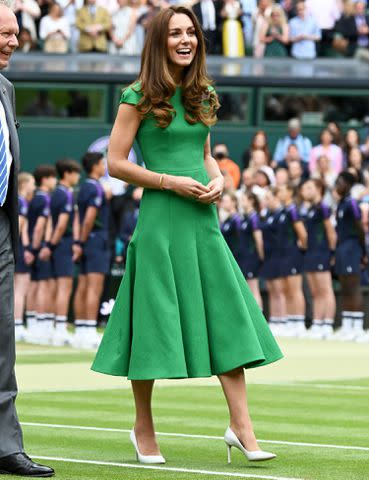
{"type": "Point", "coordinates": [25, 41]}
{"type": "Point", "coordinates": [258, 159]}
{"type": "Point", "coordinates": [336, 131]}
{"type": "Point", "coordinates": [365, 151]}
{"type": "Point", "coordinates": [326, 13]}
{"type": "Point", "coordinates": [295, 173]}
{"type": "Point", "coordinates": [259, 142]}
{"type": "Point", "coordinates": [328, 177]}
{"type": "Point", "coordinates": [264, 178]}
{"type": "Point", "coordinates": [221, 155]}
{"type": "Point", "coordinates": [232, 33]}
{"type": "Point", "coordinates": [124, 33]}
{"type": "Point", "coordinates": [304, 33]}
{"type": "Point", "coordinates": [293, 155]}
{"type": "Point", "coordinates": [55, 30]}
{"type": "Point", "coordinates": [351, 140]}
{"type": "Point", "coordinates": [275, 33]}
{"type": "Point", "coordinates": [207, 12]}
{"type": "Point", "coordinates": [247, 180]}
{"type": "Point", "coordinates": [27, 11]}
{"type": "Point", "coordinates": [281, 176]}
{"type": "Point", "coordinates": [94, 23]}
{"type": "Point", "coordinates": [294, 136]}
{"type": "Point", "coordinates": [259, 20]}
{"type": "Point", "coordinates": [352, 30]}
{"type": "Point", "coordinates": [329, 149]}
{"type": "Point", "coordinates": [356, 162]}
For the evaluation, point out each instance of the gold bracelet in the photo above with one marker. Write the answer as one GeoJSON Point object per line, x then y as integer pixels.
{"type": "Point", "coordinates": [161, 181]}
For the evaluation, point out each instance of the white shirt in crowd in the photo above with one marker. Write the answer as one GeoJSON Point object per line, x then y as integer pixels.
{"type": "Point", "coordinates": [208, 15]}
{"type": "Point", "coordinates": [110, 5]}
{"type": "Point", "coordinates": [325, 13]}
{"type": "Point", "coordinates": [28, 17]}
{"type": "Point", "coordinates": [50, 25]}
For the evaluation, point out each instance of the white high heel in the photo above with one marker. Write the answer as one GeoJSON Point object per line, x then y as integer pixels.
{"type": "Point", "coordinates": [144, 458]}
{"type": "Point", "coordinates": [231, 440]}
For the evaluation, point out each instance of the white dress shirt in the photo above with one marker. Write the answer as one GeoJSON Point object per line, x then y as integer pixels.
{"type": "Point", "coordinates": [4, 124]}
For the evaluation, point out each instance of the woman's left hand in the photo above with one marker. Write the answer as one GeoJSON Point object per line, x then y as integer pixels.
{"type": "Point", "coordinates": [216, 186]}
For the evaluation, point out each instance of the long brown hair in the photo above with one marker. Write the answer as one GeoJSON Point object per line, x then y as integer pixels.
{"type": "Point", "coordinates": [157, 83]}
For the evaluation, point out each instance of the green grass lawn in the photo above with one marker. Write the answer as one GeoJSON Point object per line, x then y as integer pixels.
{"type": "Point", "coordinates": [307, 424]}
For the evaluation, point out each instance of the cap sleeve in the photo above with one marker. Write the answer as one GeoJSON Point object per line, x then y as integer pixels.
{"type": "Point", "coordinates": [131, 95]}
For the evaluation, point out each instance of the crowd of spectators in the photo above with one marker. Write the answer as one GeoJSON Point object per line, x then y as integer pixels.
{"type": "Point", "coordinates": [233, 28]}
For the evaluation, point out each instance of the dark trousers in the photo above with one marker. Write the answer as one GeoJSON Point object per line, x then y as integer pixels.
{"type": "Point", "coordinates": [11, 440]}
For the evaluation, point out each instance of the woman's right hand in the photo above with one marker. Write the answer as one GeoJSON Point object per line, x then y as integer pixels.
{"type": "Point", "coordinates": [184, 186]}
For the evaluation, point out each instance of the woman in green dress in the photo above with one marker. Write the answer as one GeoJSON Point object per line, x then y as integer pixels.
{"type": "Point", "coordinates": [275, 33]}
{"type": "Point", "coordinates": [183, 309]}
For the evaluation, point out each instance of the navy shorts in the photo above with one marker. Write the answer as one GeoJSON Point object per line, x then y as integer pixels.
{"type": "Point", "coordinates": [317, 261]}
{"type": "Point", "coordinates": [270, 269]}
{"type": "Point", "coordinates": [41, 270]}
{"type": "Point", "coordinates": [62, 259]}
{"type": "Point", "coordinates": [348, 258]}
{"type": "Point", "coordinates": [291, 262]}
{"type": "Point", "coordinates": [20, 266]}
{"type": "Point", "coordinates": [250, 266]}
{"type": "Point", "coordinates": [96, 254]}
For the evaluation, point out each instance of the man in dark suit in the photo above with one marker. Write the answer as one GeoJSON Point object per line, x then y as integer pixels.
{"type": "Point", "coordinates": [13, 460]}
{"type": "Point", "coordinates": [207, 12]}
{"type": "Point", "coordinates": [354, 29]}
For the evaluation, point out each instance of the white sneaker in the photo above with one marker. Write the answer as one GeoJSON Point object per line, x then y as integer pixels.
{"type": "Point", "coordinates": [20, 333]}
{"type": "Point", "coordinates": [86, 340]}
{"type": "Point", "coordinates": [62, 339]}
{"type": "Point", "coordinates": [364, 337]}
{"type": "Point", "coordinates": [316, 332]}
{"type": "Point", "coordinates": [344, 335]}
{"type": "Point", "coordinates": [32, 335]}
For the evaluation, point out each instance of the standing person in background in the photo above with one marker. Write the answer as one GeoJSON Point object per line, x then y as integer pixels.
{"type": "Point", "coordinates": [350, 257]}
{"type": "Point", "coordinates": [292, 242]}
{"type": "Point", "coordinates": [123, 30]}
{"type": "Point", "coordinates": [322, 240]}
{"type": "Point", "coordinates": [221, 155]}
{"type": "Point", "coordinates": [251, 247]}
{"type": "Point", "coordinates": [94, 24]}
{"type": "Point", "coordinates": [95, 261]}
{"type": "Point", "coordinates": [271, 268]}
{"type": "Point", "coordinates": [207, 12]}
{"type": "Point", "coordinates": [55, 30]}
{"type": "Point", "coordinates": [274, 34]}
{"type": "Point", "coordinates": [304, 33]}
{"type": "Point", "coordinates": [27, 11]}
{"type": "Point", "coordinates": [230, 225]}
{"type": "Point", "coordinates": [259, 20]}
{"type": "Point", "coordinates": [65, 251]}
{"type": "Point", "coordinates": [248, 8]}
{"type": "Point", "coordinates": [39, 315]}
{"type": "Point", "coordinates": [326, 14]}
{"type": "Point", "coordinates": [351, 140]}
{"type": "Point", "coordinates": [232, 34]}
{"type": "Point", "coordinates": [111, 6]}
{"type": "Point", "coordinates": [70, 8]}
{"type": "Point", "coordinates": [22, 277]}
{"type": "Point", "coordinates": [294, 136]}
{"type": "Point", "coordinates": [13, 459]}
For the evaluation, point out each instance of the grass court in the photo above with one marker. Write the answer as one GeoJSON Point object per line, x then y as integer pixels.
{"type": "Point", "coordinates": [311, 409]}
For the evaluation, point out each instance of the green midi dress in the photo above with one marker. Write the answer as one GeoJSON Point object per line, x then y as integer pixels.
{"type": "Point", "coordinates": [183, 308]}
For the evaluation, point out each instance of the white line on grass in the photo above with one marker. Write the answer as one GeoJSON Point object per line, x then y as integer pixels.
{"type": "Point", "coordinates": [186, 435]}
{"type": "Point", "coordinates": [353, 388]}
{"type": "Point", "coordinates": [168, 469]}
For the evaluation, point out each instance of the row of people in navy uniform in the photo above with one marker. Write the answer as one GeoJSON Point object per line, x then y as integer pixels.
{"type": "Point", "coordinates": [58, 230]}
{"type": "Point", "coordinates": [279, 241]}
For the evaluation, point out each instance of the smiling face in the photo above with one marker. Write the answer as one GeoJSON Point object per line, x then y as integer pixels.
{"type": "Point", "coordinates": [182, 41]}
{"type": "Point", "coordinates": [8, 35]}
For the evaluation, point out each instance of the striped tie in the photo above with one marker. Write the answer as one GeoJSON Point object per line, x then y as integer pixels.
{"type": "Point", "coordinates": [3, 168]}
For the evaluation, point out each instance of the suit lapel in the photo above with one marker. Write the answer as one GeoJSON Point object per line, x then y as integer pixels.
{"type": "Point", "coordinates": [14, 141]}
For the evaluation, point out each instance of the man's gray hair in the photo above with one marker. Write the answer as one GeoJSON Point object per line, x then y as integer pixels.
{"type": "Point", "coordinates": [7, 3]}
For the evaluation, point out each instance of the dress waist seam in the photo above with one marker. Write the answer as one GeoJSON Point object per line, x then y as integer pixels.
{"type": "Point", "coordinates": [170, 170]}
